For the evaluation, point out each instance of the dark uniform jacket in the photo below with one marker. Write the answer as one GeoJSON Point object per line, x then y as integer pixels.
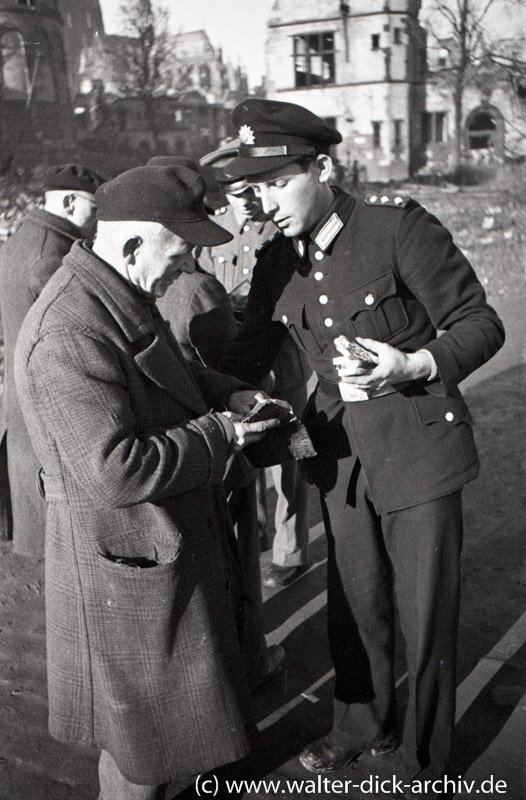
{"type": "Point", "coordinates": [143, 661]}
{"type": "Point", "coordinates": [385, 269]}
{"type": "Point", "coordinates": [233, 265]}
{"type": "Point", "coordinates": [27, 261]}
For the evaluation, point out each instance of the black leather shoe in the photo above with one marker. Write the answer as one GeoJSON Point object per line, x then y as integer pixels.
{"type": "Point", "coordinates": [324, 755]}
{"type": "Point", "coordinates": [282, 576]}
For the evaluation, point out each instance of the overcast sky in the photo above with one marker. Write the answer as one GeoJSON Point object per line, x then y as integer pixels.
{"type": "Point", "coordinates": [239, 26]}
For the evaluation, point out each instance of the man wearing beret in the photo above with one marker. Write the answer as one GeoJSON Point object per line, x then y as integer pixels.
{"type": "Point", "coordinates": [27, 261]}
{"type": "Point", "coordinates": [392, 431]}
{"type": "Point", "coordinates": [233, 265]}
{"type": "Point", "coordinates": [144, 660]}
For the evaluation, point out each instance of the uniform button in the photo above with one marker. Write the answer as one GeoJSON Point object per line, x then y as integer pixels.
{"type": "Point", "coordinates": [318, 255]}
{"type": "Point", "coordinates": [284, 319]}
{"type": "Point", "coordinates": [369, 299]}
{"type": "Point", "coordinates": [246, 248]}
{"type": "Point", "coordinates": [318, 276]}
{"type": "Point", "coordinates": [373, 198]}
{"type": "Point", "coordinates": [246, 228]}
{"type": "Point", "coordinates": [450, 416]}
{"type": "Point", "coordinates": [328, 322]}
{"type": "Point", "coordinates": [245, 270]}
{"type": "Point", "coordinates": [398, 200]}
{"type": "Point", "coordinates": [221, 259]}
{"type": "Point", "coordinates": [384, 199]}
{"type": "Point", "coordinates": [324, 299]}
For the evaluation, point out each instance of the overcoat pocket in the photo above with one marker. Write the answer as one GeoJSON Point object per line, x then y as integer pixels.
{"type": "Point", "coordinates": [375, 310]}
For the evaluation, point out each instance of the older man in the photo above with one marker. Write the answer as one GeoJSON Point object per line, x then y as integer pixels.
{"type": "Point", "coordinates": [144, 659]}
{"type": "Point", "coordinates": [27, 261]}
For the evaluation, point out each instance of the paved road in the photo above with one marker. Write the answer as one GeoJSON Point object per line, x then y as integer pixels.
{"type": "Point", "coordinates": [295, 708]}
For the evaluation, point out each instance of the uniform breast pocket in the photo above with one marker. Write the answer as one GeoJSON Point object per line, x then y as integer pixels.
{"type": "Point", "coordinates": [375, 310]}
{"type": "Point", "coordinates": [293, 316]}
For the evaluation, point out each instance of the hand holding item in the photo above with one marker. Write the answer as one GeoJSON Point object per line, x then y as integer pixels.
{"type": "Point", "coordinates": [386, 365]}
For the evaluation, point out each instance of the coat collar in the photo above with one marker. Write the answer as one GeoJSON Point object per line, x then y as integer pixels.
{"type": "Point", "coordinates": [63, 226]}
{"type": "Point", "coordinates": [156, 352]}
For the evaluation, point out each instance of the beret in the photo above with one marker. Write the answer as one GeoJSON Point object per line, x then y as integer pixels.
{"type": "Point", "coordinates": [273, 133]}
{"type": "Point", "coordinates": [171, 195]}
{"type": "Point", "coordinates": [72, 176]}
{"type": "Point", "coordinates": [172, 161]}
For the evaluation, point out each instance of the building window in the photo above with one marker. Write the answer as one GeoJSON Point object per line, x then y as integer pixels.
{"type": "Point", "coordinates": [15, 72]}
{"type": "Point", "coordinates": [433, 127]}
{"type": "Point", "coordinates": [375, 41]}
{"type": "Point", "coordinates": [398, 135]}
{"type": "Point", "coordinates": [26, 3]}
{"type": "Point", "coordinates": [482, 132]}
{"type": "Point", "coordinates": [377, 134]}
{"type": "Point", "coordinates": [314, 59]}
{"type": "Point", "coordinates": [398, 35]}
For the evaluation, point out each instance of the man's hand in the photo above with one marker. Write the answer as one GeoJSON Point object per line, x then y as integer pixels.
{"type": "Point", "coordinates": [248, 432]}
{"type": "Point", "coordinates": [243, 401]}
{"type": "Point", "coordinates": [393, 367]}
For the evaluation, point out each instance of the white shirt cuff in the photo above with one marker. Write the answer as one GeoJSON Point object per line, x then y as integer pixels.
{"type": "Point", "coordinates": [432, 364]}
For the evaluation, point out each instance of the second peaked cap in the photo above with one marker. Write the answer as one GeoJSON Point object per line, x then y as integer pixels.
{"type": "Point", "coordinates": [273, 133]}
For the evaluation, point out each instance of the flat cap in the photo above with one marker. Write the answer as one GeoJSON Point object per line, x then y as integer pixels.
{"type": "Point", "coordinates": [273, 133]}
{"type": "Point", "coordinates": [72, 176]}
{"type": "Point", "coordinates": [172, 161]}
{"type": "Point", "coordinates": [171, 195]}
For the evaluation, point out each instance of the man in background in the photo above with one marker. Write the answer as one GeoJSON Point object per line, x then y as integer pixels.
{"type": "Point", "coordinates": [233, 264]}
{"type": "Point", "coordinates": [27, 260]}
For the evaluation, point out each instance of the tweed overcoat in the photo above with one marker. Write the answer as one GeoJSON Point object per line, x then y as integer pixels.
{"type": "Point", "coordinates": [27, 261]}
{"type": "Point", "coordinates": [142, 662]}
{"type": "Point", "coordinates": [389, 271]}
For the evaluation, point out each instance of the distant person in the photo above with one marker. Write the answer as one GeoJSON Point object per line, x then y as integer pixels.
{"type": "Point", "coordinates": [144, 659]}
{"type": "Point", "coordinates": [233, 265]}
{"type": "Point", "coordinates": [27, 261]}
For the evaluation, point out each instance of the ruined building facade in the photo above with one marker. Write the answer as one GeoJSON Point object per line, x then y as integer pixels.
{"type": "Point", "coordinates": [34, 95]}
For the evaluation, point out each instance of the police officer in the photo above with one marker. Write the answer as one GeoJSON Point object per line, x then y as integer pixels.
{"type": "Point", "coordinates": [394, 439]}
{"type": "Point", "coordinates": [27, 261]}
{"type": "Point", "coordinates": [233, 264]}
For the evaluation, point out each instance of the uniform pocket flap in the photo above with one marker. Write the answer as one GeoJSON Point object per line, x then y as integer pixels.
{"type": "Point", "coordinates": [368, 296]}
{"type": "Point", "coordinates": [448, 410]}
{"type": "Point", "coordinates": [289, 314]}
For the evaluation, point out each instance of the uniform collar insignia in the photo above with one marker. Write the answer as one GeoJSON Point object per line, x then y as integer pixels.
{"type": "Point", "coordinates": [328, 231]}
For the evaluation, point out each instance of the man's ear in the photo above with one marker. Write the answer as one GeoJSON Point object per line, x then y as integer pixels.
{"type": "Point", "coordinates": [131, 248]}
{"type": "Point", "coordinates": [69, 204]}
{"type": "Point", "coordinates": [324, 164]}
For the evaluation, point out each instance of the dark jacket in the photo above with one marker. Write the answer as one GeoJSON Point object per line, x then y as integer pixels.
{"type": "Point", "coordinates": [142, 662]}
{"type": "Point", "coordinates": [385, 269]}
{"type": "Point", "coordinates": [27, 261]}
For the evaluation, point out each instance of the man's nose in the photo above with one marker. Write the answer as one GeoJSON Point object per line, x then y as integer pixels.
{"type": "Point", "coordinates": [268, 202]}
{"type": "Point", "coordinates": [188, 264]}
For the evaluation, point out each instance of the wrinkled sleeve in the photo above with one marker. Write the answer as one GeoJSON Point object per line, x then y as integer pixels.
{"type": "Point", "coordinates": [76, 386]}
{"type": "Point", "coordinates": [447, 286]}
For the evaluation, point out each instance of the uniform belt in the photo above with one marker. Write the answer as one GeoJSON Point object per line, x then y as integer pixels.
{"type": "Point", "coordinates": [51, 488]}
{"type": "Point", "coordinates": [333, 390]}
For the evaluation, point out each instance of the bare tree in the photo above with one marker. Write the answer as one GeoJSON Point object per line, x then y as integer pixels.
{"type": "Point", "coordinates": [460, 27]}
{"type": "Point", "coordinates": [145, 56]}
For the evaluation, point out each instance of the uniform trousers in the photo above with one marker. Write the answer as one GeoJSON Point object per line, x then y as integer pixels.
{"type": "Point", "coordinates": [412, 557]}
{"type": "Point", "coordinates": [242, 507]}
{"type": "Point", "coordinates": [291, 542]}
